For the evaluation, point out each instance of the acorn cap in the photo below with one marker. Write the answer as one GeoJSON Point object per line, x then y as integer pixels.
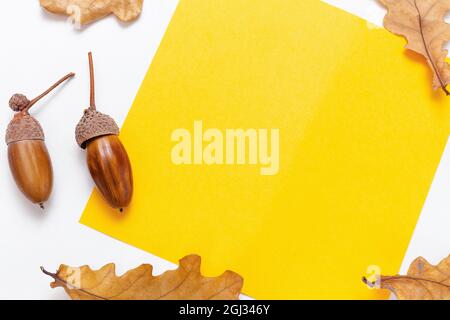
{"type": "Point", "coordinates": [94, 124]}
{"type": "Point", "coordinates": [23, 127]}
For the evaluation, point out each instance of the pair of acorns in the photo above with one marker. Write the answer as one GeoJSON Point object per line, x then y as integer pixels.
{"type": "Point", "coordinates": [30, 162]}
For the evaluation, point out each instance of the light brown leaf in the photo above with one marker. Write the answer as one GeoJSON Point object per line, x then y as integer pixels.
{"type": "Point", "coordinates": [87, 11]}
{"type": "Point", "coordinates": [422, 282]}
{"type": "Point", "coordinates": [185, 283]}
{"type": "Point", "coordinates": [422, 23]}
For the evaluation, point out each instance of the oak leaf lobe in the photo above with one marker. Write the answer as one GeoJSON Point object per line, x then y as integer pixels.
{"type": "Point", "coordinates": [423, 281]}
{"type": "Point", "coordinates": [422, 23]}
{"type": "Point", "coordinates": [87, 11]}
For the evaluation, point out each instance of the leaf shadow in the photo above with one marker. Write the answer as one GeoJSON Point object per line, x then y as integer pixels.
{"type": "Point", "coordinates": [48, 99]}
{"type": "Point", "coordinates": [59, 18]}
{"type": "Point", "coordinates": [435, 95]}
{"type": "Point", "coordinates": [53, 17]}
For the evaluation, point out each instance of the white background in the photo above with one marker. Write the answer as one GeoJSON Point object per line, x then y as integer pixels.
{"type": "Point", "coordinates": [39, 48]}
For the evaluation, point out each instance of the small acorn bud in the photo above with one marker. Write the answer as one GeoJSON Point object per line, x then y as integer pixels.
{"type": "Point", "coordinates": [28, 157]}
{"type": "Point", "coordinates": [18, 102]}
{"type": "Point", "coordinates": [107, 158]}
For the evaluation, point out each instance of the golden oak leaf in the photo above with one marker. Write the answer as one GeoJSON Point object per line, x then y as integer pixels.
{"type": "Point", "coordinates": [422, 23]}
{"type": "Point", "coordinates": [422, 282]}
{"type": "Point", "coordinates": [87, 11]}
{"type": "Point", "coordinates": [185, 283]}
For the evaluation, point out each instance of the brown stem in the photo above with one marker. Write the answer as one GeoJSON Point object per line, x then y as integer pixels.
{"type": "Point", "coordinates": [385, 279]}
{"type": "Point", "coordinates": [64, 283]}
{"type": "Point", "coordinates": [53, 275]}
{"type": "Point", "coordinates": [32, 102]}
{"type": "Point", "coordinates": [92, 81]}
{"type": "Point", "coordinates": [367, 282]}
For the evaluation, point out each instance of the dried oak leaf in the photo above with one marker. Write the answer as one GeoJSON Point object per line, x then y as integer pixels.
{"type": "Point", "coordinates": [87, 11]}
{"type": "Point", "coordinates": [422, 23]}
{"type": "Point", "coordinates": [185, 283]}
{"type": "Point", "coordinates": [422, 282]}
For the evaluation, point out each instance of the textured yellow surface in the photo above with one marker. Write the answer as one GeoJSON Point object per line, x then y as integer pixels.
{"type": "Point", "coordinates": [361, 135]}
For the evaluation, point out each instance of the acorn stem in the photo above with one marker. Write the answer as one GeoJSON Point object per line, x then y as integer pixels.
{"type": "Point", "coordinates": [92, 82]}
{"type": "Point", "coordinates": [32, 102]}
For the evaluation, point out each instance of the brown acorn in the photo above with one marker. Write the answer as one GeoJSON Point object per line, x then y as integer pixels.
{"type": "Point", "coordinates": [107, 158]}
{"type": "Point", "coordinates": [28, 157]}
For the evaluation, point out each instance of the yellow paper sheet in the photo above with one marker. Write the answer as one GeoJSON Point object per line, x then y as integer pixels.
{"type": "Point", "coordinates": [361, 135]}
